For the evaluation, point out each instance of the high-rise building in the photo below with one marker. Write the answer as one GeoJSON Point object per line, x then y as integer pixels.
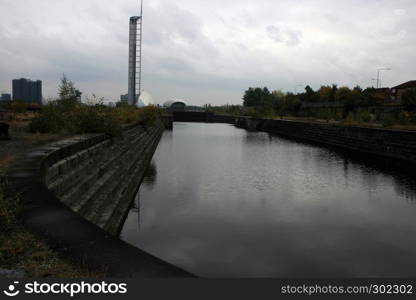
{"type": "Point", "coordinates": [6, 97]}
{"type": "Point", "coordinates": [27, 90]}
{"type": "Point", "coordinates": [135, 58]}
{"type": "Point", "coordinates": [124, 98]}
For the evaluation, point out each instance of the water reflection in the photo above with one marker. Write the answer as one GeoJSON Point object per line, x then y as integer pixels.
{"type": "Point", "coordinates": [150, 176]}
{"type": "Point", "coordinates": [231, 203]}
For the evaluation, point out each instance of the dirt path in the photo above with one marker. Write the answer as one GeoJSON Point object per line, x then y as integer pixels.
{"type": "Point", "coordinates": [21, 143]}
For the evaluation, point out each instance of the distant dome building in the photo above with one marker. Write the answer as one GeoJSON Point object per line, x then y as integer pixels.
{"type": "Point", "coordinates": [145, 99]}
{"type": "Point", "coordinates": [175, 105]}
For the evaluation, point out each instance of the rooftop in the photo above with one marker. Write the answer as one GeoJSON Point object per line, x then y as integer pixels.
{"type": "Point", "coordinates": [409, 84]}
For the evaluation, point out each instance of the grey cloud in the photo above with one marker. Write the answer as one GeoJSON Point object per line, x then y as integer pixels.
{"type": "Point", "coordinates": [204, 51]}
{"type": "Point", "coordinates": [288, 36]}
{"type": "Point", "coordinates": [274, 33]}
{"type": "Point", "coordinates": [293, 37]}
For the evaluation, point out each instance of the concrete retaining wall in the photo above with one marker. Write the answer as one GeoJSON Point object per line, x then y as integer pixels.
{"type": "Point", "coordinates": [224, 119]}
{"type": "Point", "coordinates": [98, 177]}
{"type": "Point", "coordinates": [400, 145]}
{"type": "Point", "coordinates": [202, 116]}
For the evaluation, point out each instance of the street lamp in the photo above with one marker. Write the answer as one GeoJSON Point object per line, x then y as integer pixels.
{"type": "Point", "coordinates": [378, 74]}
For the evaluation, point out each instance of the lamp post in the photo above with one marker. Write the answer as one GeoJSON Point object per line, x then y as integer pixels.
{"type": "Point", "coordinates": [378, 74]}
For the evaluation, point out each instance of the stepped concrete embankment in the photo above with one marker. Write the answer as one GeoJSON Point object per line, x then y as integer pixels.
{"type": "Point", "coordinates": [77, 192]}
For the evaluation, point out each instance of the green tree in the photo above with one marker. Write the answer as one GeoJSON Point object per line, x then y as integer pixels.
{"type": "Point", "coordinates": [343, 94]}
{"type": "Point", "coordinates": [334, 92]}
{"type": "Point", "coordinates": [257, 97]}
{"type": "Point", "coordinates": [350, 99]}
{"type": "Point", "coordinates": [373, 97]}
{"type": "Point", "coordinates": [67, 90]}
{"type": "Point", "coordinates": [309, 95]}
{"type": "Point", "coordinates": [325, 93]}
{"type": "Point", "coordinates": [358, 89]}
{"type": "Point", "coordinates": [291, 105]}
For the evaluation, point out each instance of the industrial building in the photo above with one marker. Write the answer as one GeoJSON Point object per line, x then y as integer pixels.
{"type": "Point", "coordinates": [27, 90]}
{"type": "Point", "coordinates": [172, 106]}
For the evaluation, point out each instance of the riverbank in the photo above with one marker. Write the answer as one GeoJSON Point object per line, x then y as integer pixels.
{"type": "Point", "coordinates": [23, 253]}
{"type": "Point", "coordinates": [393, 144]}
{"type": "Point", "coordinates": [348, 122]}
{"type": "Point", "coordinates": [89, 169]}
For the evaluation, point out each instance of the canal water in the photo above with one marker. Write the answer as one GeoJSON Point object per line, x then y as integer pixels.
{"type": "Point", "coordinates": [220, 201]}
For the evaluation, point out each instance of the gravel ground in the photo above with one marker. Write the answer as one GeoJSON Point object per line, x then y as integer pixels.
{"type": "Point", "coordinates": [20, 143]}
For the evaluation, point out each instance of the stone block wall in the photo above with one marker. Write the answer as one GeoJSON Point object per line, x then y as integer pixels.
{"type": "Point", "coordinates": [394, 144]}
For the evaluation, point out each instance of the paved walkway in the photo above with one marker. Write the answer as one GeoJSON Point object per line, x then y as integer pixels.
{"type": "Point", "coordinates": [73, 236]}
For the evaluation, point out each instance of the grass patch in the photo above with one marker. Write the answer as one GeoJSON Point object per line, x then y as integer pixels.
{"type": "Point", "coordinates": [22, 250]}
{"type": "Point", "coordinates": [5, 161]}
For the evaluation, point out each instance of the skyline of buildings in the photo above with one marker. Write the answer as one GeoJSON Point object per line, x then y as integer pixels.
{"type": "Point", "coordinates": [27, 90]}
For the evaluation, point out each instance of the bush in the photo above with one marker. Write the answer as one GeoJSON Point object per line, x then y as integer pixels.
{"type": "Point", "coordinates": [324, 114]}
{"type": "Point", "coordinates": [349, 119]}
{"type": "Point", "coordinates": [72, 117]}
{"type": "Point", "coordinates": [405, 117]}
{"type": "Point", "coordinates": [92, 119]}
{"type": "Point", "coordinates": [148, 115]}
{"type": "Point", "coordinates": [363, 116]}
{"type": "Point", "coordinates": [18, 106]}
{"type": "Point", "coordinates": [129, 114]}
{"type": "Point", "coordinates": [388, 121]}
{"type": "Point", "coordinates": [252, 112]}
{"type": "Point", "coordinates": [50, 120]}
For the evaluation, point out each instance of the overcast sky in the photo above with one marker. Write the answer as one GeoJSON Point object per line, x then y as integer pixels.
{"type": "Point", "coordinates": [208, 51]}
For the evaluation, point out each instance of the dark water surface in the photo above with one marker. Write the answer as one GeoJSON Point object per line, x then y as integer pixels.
{"type": "Point", "coordinates": [220, 201]}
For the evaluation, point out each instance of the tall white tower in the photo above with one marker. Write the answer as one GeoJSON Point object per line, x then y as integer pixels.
{"type": "Point", "coordinates": [135, 57]}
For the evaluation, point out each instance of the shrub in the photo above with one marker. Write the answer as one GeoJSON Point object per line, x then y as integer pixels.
{"type": "Point", "coordinates": [72, 117]}
{"type": "Point", "coordinates": [93, 119]}
{"type": "Point", "coordinates": [148, 115]}
{"type": "Point", "coordinates": [405, 117]}
{"type": "Point", "coordinates": [129, 114]}
{"type": "Point", "coordinates": [349, 119]}
{"type": "Point", "coordinates": [388, 121]}
{"type": "Point", "coordinates": [50, 120]}
{"type": "Point", "coordinates": [18, 106]}
{"type": "Point", "coordinates": [363, 116]}
{"type": "Point", "coordinates": [262, 112]}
